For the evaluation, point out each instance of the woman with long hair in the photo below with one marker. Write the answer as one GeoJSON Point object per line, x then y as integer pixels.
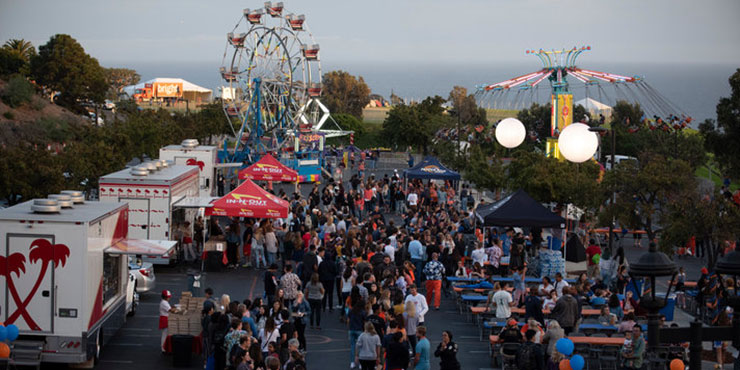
{"type": "Point", "coordinates": [412, 321]}
{"type": "Point", "coordinates": [447, 352]}
{"type": "Point", "coordinates": [356, 321]}
{"type": "Point", "coordinates": [269, 334]}
{"type": "Point", "coordinates": [367, 351]}
{"type": "Point", "coordinates": [315, 293]}
{"type": "Point", "coordinates": [301, 309]}
{"type": "Point", "coordinates": [347, 282]}
{"type": "Point", "coordinates": [258, 248]}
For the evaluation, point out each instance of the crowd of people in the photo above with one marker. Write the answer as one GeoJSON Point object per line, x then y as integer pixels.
{"type": "Point", "coordinates": [365, 250]}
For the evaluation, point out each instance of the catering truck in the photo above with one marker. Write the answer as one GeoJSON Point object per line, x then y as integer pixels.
{"type": "Point", "coordinates": [191, 153]}
{"type": "Point", "coordinates": [63, 263]}
{"type": "Point", "coordinates": [150, 190]}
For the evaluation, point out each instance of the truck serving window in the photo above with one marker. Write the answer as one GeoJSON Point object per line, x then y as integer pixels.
{"type": "Point", "coordinates": [111, 277]}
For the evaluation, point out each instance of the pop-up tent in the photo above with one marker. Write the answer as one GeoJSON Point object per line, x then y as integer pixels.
{"type": "Point", "coordinates": [249, 200]}
{"type": "Point", "coordinates": [518, 209]}
{"type": "Point", "coordinates": [431, 168]}
{"type": "Point", "coordinates": [268, 169]}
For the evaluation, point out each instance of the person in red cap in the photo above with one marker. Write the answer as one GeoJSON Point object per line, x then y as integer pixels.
{"type": "Point", "coordinates": [164, 313]}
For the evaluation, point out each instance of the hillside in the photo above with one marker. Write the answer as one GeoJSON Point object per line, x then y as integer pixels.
{"type": "Point", "coordinates": [24, 123]}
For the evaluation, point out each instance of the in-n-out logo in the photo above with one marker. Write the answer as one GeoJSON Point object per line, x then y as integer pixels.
{"type": "Point", "coordinates": [432, 169]}
{"type": "Point", "coordinates": [41, 251]}
{"type": "Point", "coordinates": [268, 168]}
{"type": "Point", "coordinates": [194, 162]}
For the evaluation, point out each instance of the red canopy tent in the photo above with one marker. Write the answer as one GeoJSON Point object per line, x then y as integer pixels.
{"type": "Point", "coordinates": [249, 200]}
{"type": "Point", "coordinates": [269, 169]}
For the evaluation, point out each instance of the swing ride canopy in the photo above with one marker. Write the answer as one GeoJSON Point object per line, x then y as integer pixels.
{"type": "Point", "coordinates": [249, 200]}
{"type": "Point", "coordinates": [431, 168]}
{"type": "Point", "coordinates": [268, 169]}
{"type": "Point", "coordinates": [518, 209]}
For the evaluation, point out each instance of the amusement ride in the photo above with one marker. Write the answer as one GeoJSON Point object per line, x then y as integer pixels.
{"type": "Point", "coordinates": [564, 76]}
{"type": "Point", "coordinates": [272, 74]}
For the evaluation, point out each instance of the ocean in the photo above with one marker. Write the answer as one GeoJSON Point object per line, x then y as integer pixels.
{"type": "Point", "coordinates": [694, 88]}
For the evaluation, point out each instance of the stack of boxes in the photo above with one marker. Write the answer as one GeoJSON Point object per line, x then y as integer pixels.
{"type": "Point", "coordinates": [550, 263]}
{"type": "Point", "coordinates": [187, 320]}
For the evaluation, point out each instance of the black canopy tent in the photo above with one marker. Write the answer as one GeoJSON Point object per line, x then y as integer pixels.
{"type": "Point", "coordinates": [518, 209]}
{"type": "Point", "coordinates": [431, 168]}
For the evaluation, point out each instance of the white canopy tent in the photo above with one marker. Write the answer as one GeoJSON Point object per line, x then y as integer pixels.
{"type": "Point", "coordinates": [594, 106]}
{"type": "Point", "coordinates": [190, 91]}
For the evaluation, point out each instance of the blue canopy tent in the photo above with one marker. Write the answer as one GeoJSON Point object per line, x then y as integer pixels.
{"type": "Point", "coordinates": [431, 168]}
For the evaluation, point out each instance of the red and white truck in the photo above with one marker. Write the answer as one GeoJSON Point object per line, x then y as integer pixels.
{"type": "Point", "coordinates": [191, 153]}
{"type": "Point", "coordinates": [150, 190]}
{"type": "Point", "coordinates": [63, 263]}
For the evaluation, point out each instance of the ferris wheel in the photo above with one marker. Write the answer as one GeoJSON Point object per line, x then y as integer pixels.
{"type": "Point", "coordinates": [272, 73]}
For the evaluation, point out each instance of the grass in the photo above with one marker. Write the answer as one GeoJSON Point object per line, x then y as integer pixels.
{"type": "Point", "coordinates": [709, 172]}
{"type": "Point", "coordinates": [375, 115]}
{"type": "Point", "coordinates": [494, 115]}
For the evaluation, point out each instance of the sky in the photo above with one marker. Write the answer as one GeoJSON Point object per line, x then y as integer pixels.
{"type": "Point", "coordinates": [400, 31]}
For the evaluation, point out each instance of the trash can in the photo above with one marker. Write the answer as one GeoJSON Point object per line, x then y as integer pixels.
{"type": "Point", "coordinates": [182, 350]}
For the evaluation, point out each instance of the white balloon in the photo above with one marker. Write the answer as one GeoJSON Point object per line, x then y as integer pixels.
{"type": "Point", "coordinates": [510, 132]}
{"type": "Point", "coordinates": [577, 144]}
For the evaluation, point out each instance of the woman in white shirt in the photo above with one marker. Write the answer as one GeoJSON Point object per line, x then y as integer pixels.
{"type": "Point", "coordinates": [164, 314]}
{"type": "Point", "coordinates": [269, 334]}
{"type": "Point", "coordinates": [479, 255]}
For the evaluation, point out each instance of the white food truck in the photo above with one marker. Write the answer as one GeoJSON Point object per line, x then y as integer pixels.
{"type": "Point", "coordinates": [150, 190]}
{"type": "Point", "coordinates": [190, 153]}
{"type": "Point", "coordinates": [63, 262]}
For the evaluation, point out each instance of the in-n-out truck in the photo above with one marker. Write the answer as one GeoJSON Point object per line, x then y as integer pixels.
{"type": "Point", "coordinates": [191, 153]}
{"type": "Point", "coordinates": [63, 264]}
{"type": "Point", "coordinates": [151, 189]}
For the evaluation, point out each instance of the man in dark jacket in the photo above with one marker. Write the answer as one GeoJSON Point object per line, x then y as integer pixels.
{"type": "Point", "coordinates": [310, 264]}
{"type": "Point", "coordinates": [530, 355]}
{"type": "Point", "coordinates": [533, 307]}
{"type": "Point", "coordinates": [566, 310]}
{"type": "Point", "coordinates": [327, 275]}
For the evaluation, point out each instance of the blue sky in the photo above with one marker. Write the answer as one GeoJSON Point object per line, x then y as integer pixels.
{"type": "Point", "coordinates": [416, 31]}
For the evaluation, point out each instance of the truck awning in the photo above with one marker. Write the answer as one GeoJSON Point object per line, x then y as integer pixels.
{"type": "Point", "coordinates": [195, 202]}
{"type": "Point", "coordinates": [142, 246]}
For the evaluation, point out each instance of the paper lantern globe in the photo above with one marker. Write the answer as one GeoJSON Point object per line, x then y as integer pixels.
{"type": "Point", "coordinates": [565, 346]}
{"type": "Point", "coordinates": [3, 333]}
{"type": "Point", "coordinates": [564, 364]}
{"type": "Point", "coordinates": [677, 364]}
{"type": "Point", "coordinates": [510, 132]}
{"type": "Point", "coordinates": [11, 332]}
{"type": "Point", "coordinates": [577, 144]}
{"type": "Point", "coordinates": [4, 350]}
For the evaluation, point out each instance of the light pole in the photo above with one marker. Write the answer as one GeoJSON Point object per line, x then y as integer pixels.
{"type": "Point", "coordinates": [613, 189]}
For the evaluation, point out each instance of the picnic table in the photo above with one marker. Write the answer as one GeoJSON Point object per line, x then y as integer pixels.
{"type": "Point", "coordinates": [602, 341]}
{"type": "Point", "coordinates": [454, 279]}
{"type": "Point", "coordinates": [521, 311]}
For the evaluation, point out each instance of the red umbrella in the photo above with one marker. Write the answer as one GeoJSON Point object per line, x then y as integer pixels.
{"type": "Point", "coordinates": [249, 200]}
{"type": "Point", "coordinates": [269, 169]}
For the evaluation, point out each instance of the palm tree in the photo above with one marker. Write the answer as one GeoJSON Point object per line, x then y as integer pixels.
{"type": "Point", "coordinates": [22, 47]}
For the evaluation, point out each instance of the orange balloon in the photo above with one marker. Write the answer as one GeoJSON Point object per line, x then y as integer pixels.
{"type": "Point", "coordinates": [677, 364]}
{"type": "Point", "coordinates": [4, 350]}
{"type": "Point", "coordinates": [565, 364]}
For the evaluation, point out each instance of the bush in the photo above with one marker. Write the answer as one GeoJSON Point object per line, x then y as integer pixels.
{"type": "Point", "coordinates": [9, 115]}
{"type": "Point", "coordinates": [17, 91]}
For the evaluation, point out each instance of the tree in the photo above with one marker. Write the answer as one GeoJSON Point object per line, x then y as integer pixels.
{"type": "Point", "coordinates": [548, 179]}
{"type": "Point", "coordinates": [484, 171]}
{"type": "Point", "coordinates": [645, 189]}
{"type": "Point", "coordinates": [30, 172]}
{"type": "Point", "coordinates": [408, 125]}
{"type": "Point", "coordinates": [344, 93]}
{"type": "Point", "coordinates": [723, 136]}
{"type": "Point", "coordinates": [63, 66]}
{"type": "Point", "coordinates": [711, 220]}
{"type": "Point", "coordinates": [349, 122]}
{"type": "Point", "coordinates": [118, 78]}
{"type": "Point", "coordinates": [22, 48]}
{"type": "Point", "coordinates": [15, 57]}
{"type": "Point", "coordinates": [17, 92]}
{"type": "Point", "coordinates": [466, 107]}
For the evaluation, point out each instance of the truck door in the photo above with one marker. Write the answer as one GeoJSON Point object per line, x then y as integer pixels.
{"type": "Point", "coordinates": [30, 293]}
{"type": "Point", "coordinates": [138, 217]}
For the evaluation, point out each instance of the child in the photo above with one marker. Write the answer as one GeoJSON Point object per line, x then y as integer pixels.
{"type": "Point", "coordinates": [680, 296]}
{"type": "Point", "coordinates": [549, 303]}
{"type": "Point", "coordinates": [626, 350]}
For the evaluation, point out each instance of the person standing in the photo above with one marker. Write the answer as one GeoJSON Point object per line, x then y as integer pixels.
{"type": "Point", "coordinates": [315, 293]}
{"type": "Point", "coordinates": [593, 257]}
{"type": "Point", "coordinates": [356, 319]}
{"type": "Point", "coordinates": [291, 285]}
{"type": "Point", "coordinates": [447, 353]}
{"type": "Point", "coordinates": [419, 302]}
{"type": "Point", "coordinates": [416, 250]}
{"type": "Point", "coordinates": [530, 355]}
{"type": "Point", "coordinates": [187, 243]}
{"type": "Point", "coordinates": [503, 301]}
{"type": "Point", "coordinates": [367, 352]}
{"type": "Point", "coordinates": [423, 347]}
{"type": "Point", "coordinates": [327, 276]}
{"type": "Point", "coordinates": [434, 271]}
{"type": "Point", "coordinates": [565, 311]}
{"type": "Point", "coordinates": [271, 283]}
{"type": "Point", "coordinates": [220, 183]}
{"type": "Point", "coordinates": [271, 244]}
{"type": "Point", "coordinates": [411, 322]}
{"type": "Point", "coordinates": [301, 308]}
{"type": "Point", "coordinates": [164, 314]}
{"type": "Point", "coordinates": [232, 245]}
